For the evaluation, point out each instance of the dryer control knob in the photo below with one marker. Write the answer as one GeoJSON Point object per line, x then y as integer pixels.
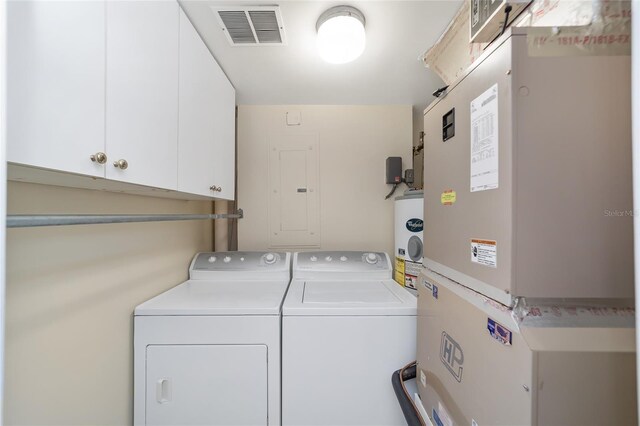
{"type": "Point", "coordinates": [269, 258]}
{"type": "Point", "coordinates": [212, 259]}
{"type": "Point", "coordinates": [328, 259]}
{"type": "Point", "coordinates": [343, 258]}
{"type": "Point", "coordinates": [226, 259]}
{"type": "Point", "coordinates": [371, 258]}
{"type": "Point", "coordinates": [313, 258]}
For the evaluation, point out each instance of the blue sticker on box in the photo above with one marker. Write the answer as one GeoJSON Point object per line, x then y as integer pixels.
{"type": "Point", "coordinates": [499, 332]}
{"type": "Point", "coordinates": [436, 418]}
{"type": "Point", "coordinates": [434, 291]}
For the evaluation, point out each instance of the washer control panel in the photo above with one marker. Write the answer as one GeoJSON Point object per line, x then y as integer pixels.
{"type": "Point", "coordinates": [239, 261]}
{"type": "Point", "coordinates": [336, 261]}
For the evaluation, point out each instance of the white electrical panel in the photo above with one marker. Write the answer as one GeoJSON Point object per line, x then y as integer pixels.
{"type": "Point", "coordinates": [294, 203]}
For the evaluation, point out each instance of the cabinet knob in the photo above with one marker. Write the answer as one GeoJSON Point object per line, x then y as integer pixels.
{"type": "Point", "coordinates": [215, 188]}
{"type": "Point", "coordinates": [99, 157]}
{"type": "Point", "coordinates": [121, 164]}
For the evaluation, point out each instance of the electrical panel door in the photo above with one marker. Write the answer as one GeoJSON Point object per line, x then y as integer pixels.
{"type": "Point", "coordinates": [294, 213]}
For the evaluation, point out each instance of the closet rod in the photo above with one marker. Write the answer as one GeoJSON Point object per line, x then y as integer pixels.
{"type": "Point", "coordinates": [24, 221]}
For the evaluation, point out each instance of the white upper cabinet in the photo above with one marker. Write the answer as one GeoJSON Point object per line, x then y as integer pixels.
{"type": "Point", "coordinates": [224, 122]}
{"type": "Point", "coordinates": [206, 143]}
{"type": "Point", "coordinates": [56, 84]}
{"type": "Point", "coordinates": [142, 92]}
{"type": "Point", "coordinates": [122, 90]}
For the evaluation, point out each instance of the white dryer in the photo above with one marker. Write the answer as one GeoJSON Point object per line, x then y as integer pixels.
{"type": "Point", "coordinates": [346, 327]}
{"type": "Point", "coordinates": [207, 352]}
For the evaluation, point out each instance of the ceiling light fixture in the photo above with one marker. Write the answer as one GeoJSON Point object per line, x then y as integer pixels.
{"type": "Point", "coordinates": [341, 36]}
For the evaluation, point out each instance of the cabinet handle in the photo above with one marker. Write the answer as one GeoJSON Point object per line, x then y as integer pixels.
{"type": "Point", "coordinates": [215, 188]}
{"type": "Point", "coordinates": [99, 157]}
{"type": "Point", "coordinates": [163, 391]}
{"type": "Point", "coordinates": [121, 164]}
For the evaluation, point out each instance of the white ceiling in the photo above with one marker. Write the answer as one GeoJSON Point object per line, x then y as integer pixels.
{"type": "Point", "coordinates": [388, 72]}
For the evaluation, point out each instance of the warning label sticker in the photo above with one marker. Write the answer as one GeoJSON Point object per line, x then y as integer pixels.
{"type": "Point", "coordinates": [399, 275]}
{"type": "Point", "coordinates": [411, 271]}
{"type": "Point", "coordinates": [484, 252]}
{"type": "Point", "coordinates": [448, 197]}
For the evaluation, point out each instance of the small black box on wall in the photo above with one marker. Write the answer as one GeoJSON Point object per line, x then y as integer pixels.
{"type": "Point", "coordinates": [394, 170]}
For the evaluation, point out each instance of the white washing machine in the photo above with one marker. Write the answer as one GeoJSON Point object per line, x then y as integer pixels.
{"type": "Point", "coordinates": [346, 327]}
{"type": "Point", "coordinates": [207, 352]}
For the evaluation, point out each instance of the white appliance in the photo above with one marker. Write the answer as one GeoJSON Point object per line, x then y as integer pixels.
{"type": "Point", "coordinates": [207, 352]}
{"type": "Point", "coordinates": [409, 225]}
{"type": "Point", "coordinates": [346, 327]}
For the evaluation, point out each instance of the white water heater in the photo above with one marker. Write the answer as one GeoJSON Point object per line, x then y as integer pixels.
{"type": "Point", "coordinates": [408, 235]}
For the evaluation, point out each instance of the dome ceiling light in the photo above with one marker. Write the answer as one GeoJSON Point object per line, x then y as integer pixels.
{"type": "Point", "coordinates": [341, 36]}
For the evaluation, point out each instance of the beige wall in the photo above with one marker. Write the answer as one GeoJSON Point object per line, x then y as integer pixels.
{"type": "Point", "coordinates": [71, 291]}
{"type": "Point", "coordinates": [354, 142]}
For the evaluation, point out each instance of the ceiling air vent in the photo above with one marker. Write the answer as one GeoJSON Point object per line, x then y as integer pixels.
{"type": "Point", "coordinates": [252, 26]}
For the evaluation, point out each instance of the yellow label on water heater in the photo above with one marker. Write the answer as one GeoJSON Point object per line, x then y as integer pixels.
{"type": "Point", "coordinates": [399, 275]}
{"type": "Point", "coordinates": [448, 197]}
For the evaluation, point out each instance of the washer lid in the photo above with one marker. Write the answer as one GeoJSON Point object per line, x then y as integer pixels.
{"type": "Point", "coordinates": [355, 293]}
{"type": "Point", "coordinates": [366, 297]}
{"type": "Point", "coordinates": [199, 297]}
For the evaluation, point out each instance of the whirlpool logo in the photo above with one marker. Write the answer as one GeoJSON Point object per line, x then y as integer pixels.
{"type": "Point", "coordinates": [414, 225]}
{"type": "Point", "coordinates": [451, 356]}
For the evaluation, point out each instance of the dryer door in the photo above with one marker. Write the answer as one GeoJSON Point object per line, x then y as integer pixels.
{"type": "Point", "coordinates": [206, 385]}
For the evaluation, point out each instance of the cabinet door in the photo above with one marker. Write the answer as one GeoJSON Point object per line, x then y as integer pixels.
{"type": "Point", "coordinates": [206, 385]}
{"type": "Point", "coordinates": [206, 143]}
{"type": "Point", "coordinates": [224, 121]}
{"type": "Point", "coordinates": [142, 91]}
{"type": "Point", "coordinates": [55, 84]}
